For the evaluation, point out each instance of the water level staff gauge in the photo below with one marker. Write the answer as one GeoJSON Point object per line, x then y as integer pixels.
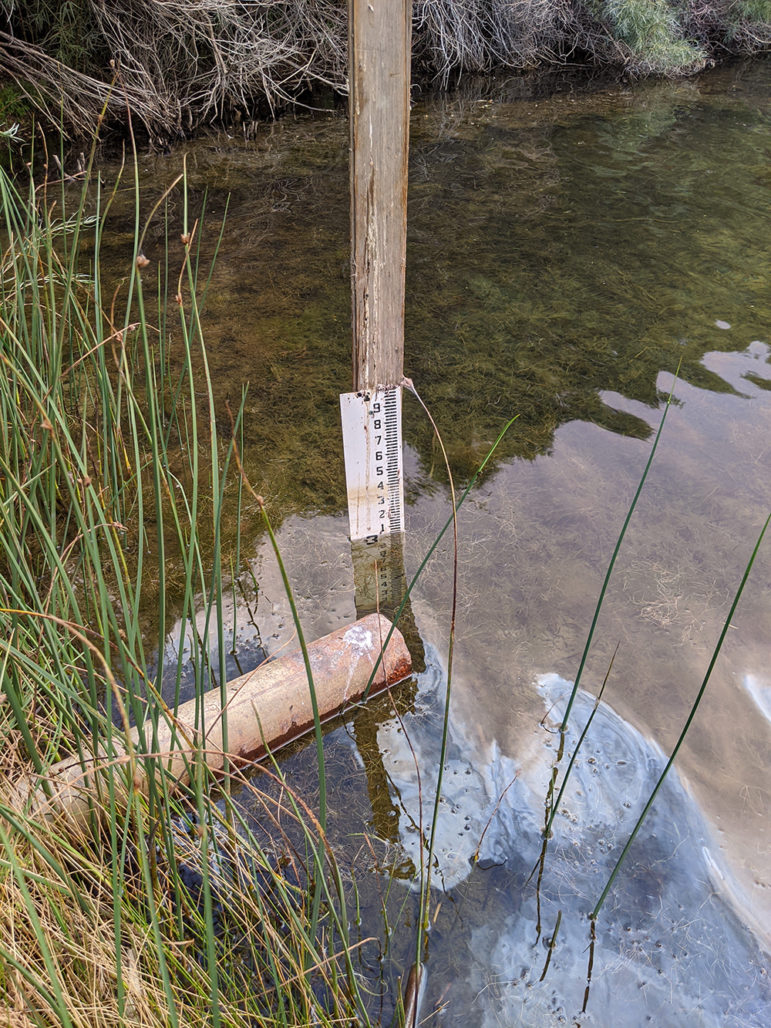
{"type": "Point", "coordinates": [379, 49]}
{"type": "Point", "coordinates": [372, 448]}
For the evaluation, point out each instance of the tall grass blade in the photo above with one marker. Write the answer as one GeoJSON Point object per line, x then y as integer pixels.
{"type": "Point", "coordinates": [429, 553]}
{"type": "Point", "coordinates": [104, 476]}
{"type": "Point", "coordinates": [612, 564]}
{"type": "Point", "coordinates": [689, 720]}
{"type": "Point", "coordinates": [425, 885]}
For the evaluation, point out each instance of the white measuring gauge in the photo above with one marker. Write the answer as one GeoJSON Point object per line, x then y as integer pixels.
{"type": "Point", "coordinates": [372, 446]}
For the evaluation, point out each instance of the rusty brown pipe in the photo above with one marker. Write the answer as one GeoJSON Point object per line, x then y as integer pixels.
{"type": "Point", "coordinates": [266, 708]}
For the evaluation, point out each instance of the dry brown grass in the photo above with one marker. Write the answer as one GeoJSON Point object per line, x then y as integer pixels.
{"type": "Point", "coordinates": [61, 956]}
{"type": "Point", "coordinates": [56, 922]}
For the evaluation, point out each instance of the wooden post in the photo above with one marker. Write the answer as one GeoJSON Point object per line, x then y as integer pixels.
{"type": "Point", "coordinates": [379, 44]}
{"type": "Point", "coordinates": [379, 48]}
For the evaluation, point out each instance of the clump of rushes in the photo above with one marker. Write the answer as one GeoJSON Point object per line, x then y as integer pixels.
{"type": "Point", "coordinates": [168, 908]}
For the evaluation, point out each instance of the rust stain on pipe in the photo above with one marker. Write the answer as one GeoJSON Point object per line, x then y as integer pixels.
{"type": "Point", "coordinates": [266, 708]}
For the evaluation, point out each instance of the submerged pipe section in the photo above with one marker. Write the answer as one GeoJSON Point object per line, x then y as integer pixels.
{"type": "Point", "coordinates": [266, 709]}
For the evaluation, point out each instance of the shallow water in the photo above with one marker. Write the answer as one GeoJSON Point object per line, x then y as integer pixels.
{"type": "Point", "coordinates": [564, 256]}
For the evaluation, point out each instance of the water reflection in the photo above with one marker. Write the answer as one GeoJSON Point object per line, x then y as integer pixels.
{"type": "Point", "coordinates": [667, 940]}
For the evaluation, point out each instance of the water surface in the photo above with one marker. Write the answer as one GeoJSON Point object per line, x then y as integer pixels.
{"type": "Point", "coordinates": [565, 256]}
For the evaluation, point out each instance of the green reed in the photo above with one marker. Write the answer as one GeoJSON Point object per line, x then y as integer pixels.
{"type": "Point", "coordinates": [686, 727]}
{"type": "Point", "coordinates": [168, 907]}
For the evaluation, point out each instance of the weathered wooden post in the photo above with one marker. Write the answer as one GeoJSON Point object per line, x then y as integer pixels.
{"type": "Point", "coordinates": [379, 44]}
{"type": "Point", "coordinates": [379, 84]}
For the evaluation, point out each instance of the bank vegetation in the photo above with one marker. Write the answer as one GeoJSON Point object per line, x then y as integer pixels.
{"type": "Point", "coordinates": [180, 64]}
{"type": "Point", "coordinates": [170, 908]}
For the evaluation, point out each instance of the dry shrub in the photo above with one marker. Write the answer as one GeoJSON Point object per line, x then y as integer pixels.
{"type": "Point", "coordinates": [741, 26]}
{"type": "Point", "coordinates": [474, 35]}
{"type": "Point", "coordinates": [183, 63]}
{"type": "Point", "coordinates": [178, 63]}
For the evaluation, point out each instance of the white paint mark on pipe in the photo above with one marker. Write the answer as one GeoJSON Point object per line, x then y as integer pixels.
{"type": "Point", "coordinates": [359, 639]}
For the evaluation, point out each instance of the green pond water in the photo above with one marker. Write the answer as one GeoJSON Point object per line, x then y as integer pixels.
{"type": "Point", "coordinates": [565, 255]}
